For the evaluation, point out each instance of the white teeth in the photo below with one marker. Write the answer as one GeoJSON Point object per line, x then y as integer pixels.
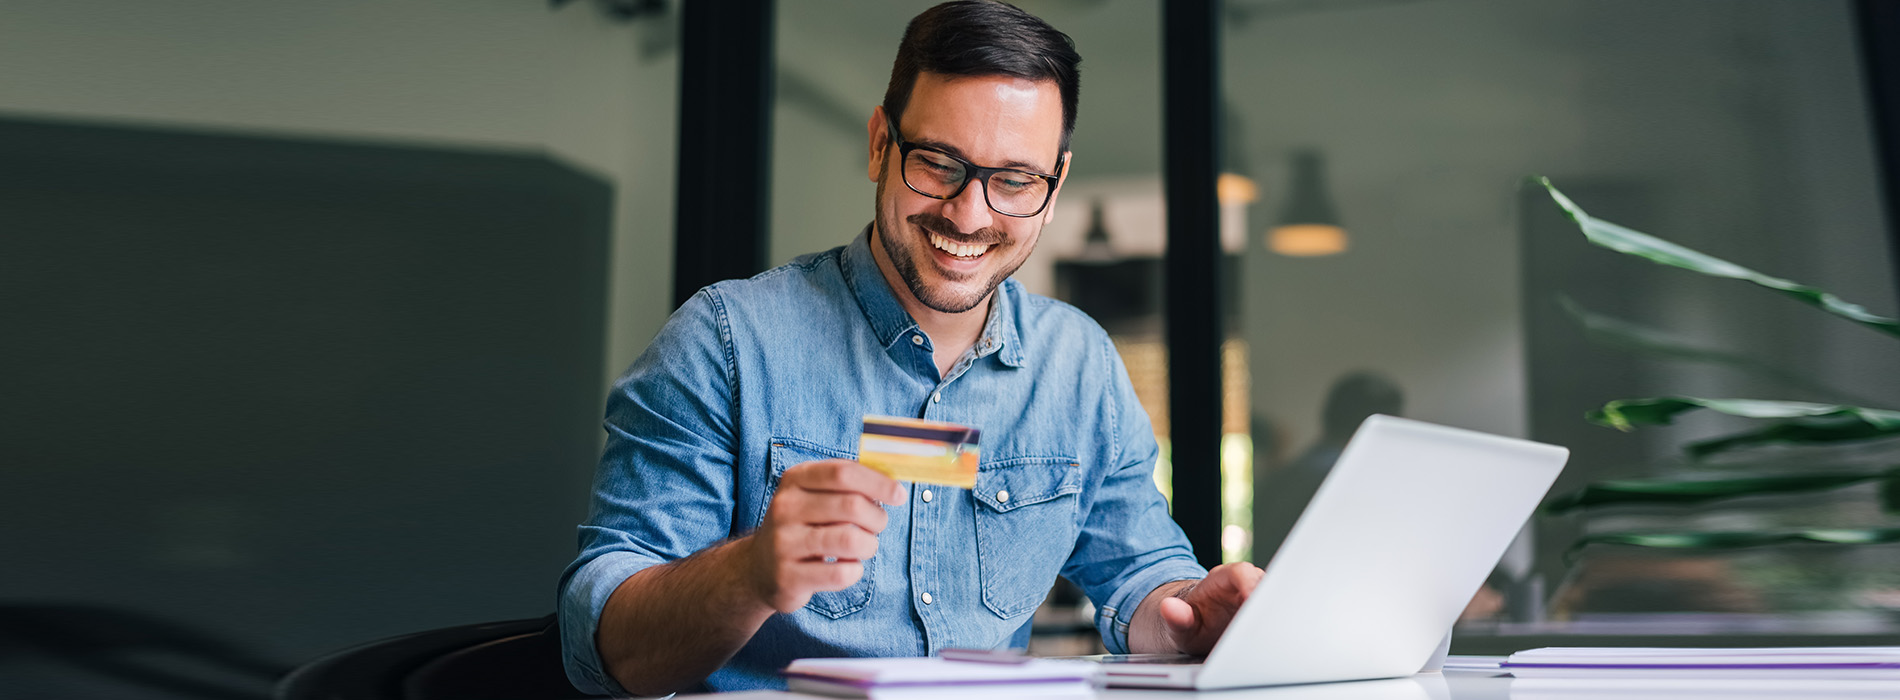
{"type": "Point", "coordinates": [958, 249]}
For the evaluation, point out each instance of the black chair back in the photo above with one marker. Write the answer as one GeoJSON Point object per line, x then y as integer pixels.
{"type": "Point", "coordinates": [512, 660]}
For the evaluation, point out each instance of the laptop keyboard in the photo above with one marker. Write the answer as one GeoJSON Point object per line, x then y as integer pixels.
{"type": "Point", "coordinates": [1161, 659]}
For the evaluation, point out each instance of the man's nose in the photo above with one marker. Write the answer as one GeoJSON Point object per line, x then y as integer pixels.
{"type": "Point", "coordinates": [969, 210]}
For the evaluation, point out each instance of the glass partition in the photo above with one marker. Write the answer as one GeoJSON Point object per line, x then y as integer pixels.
{"type": "Point", "coordinates": [1395, 261]}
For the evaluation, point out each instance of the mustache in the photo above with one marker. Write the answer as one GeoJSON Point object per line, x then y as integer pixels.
{"type": "Point", "coordinates": [943, 227]}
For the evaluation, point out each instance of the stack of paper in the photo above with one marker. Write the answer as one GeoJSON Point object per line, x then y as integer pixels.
{"type": "Point", "coordinates": [1703, 689]}
{"type": "Point", "coordinates": [1865, 663]}
{"type": "Point", "coordinates": [932, 677]}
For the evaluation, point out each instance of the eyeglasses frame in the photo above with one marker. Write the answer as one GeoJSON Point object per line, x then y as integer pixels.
{"type": "Point", "coordinates": [976, 173]}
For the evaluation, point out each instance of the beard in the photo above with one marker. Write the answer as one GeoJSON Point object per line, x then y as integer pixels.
{"type": "Point", "coordinates": [908, 253]}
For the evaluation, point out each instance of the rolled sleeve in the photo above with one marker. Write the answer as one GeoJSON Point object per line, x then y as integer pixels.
{"type": "Point", "coordinates": [1113, 617]}
{"type": "Point", "coordinates": [582, 599]}
{"type": "Point", "coordinates": [663, 488]}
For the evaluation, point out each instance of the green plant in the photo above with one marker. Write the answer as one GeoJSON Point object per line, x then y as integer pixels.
{"type": "Point", "coordinates": [1789, 423]}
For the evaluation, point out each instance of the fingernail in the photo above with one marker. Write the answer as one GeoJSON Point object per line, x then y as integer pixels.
{"type": "Point", "coordinates": [900, 494]}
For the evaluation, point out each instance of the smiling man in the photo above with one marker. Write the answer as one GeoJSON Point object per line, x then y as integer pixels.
{"type": "Point", "coordinates": [731, 532]}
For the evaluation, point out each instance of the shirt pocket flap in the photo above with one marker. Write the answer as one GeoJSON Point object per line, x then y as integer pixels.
{"type": "Point", "coordinates": [791, 452]}
{"type": "Point", "coordinates": [785, 454]}
{"type": "Point", "coordinates": [1023, 481]}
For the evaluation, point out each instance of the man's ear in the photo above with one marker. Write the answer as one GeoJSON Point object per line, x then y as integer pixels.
{"type": "Point", "coordinates": [1068, 166]}
{"type": "Point", "coordinates": [877, 130]}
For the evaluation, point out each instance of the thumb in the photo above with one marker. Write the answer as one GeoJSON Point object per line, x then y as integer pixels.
{"type": "Point", "coordinates": [1179, 615]}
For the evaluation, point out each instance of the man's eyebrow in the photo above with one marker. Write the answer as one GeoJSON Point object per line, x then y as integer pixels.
{"type": "Point", "coordinates": [958, 152]}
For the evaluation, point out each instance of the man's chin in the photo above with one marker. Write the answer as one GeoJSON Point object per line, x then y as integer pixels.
{"type": "Point", "coordinates": [951, 298]}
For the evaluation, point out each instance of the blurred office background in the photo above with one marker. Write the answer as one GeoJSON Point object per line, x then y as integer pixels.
{"type": "Point", "coordinates": [310, 308]}
{"type": "Point", "coordinates": [309, 314]}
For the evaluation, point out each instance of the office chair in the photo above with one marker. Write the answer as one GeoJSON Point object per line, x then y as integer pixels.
{"type": "Point", "coordinates": [511, 660]}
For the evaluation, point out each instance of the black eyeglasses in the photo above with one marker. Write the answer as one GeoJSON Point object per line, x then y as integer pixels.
{"type": "Point", "coordinates": [938, 175]}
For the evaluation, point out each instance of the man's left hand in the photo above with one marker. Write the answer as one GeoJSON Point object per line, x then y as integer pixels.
{"type": "Point", "coordinates": [1194, 617]}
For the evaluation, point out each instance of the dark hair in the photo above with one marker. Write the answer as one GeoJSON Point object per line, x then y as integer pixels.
{"type": "Point", "coordinates": [982, 38]}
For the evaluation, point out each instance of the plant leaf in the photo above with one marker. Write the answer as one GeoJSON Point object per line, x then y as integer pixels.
{"type": "Point", "coordinates": [1624, 414]}
{"type": "Point", "coordinates": [1680, 492]}
{"type": "Point", "coordinates": [1792, 432]}
{"type": "Point", "coordinates": [1806, 423]}
{"type": "Point", "coordinates": [1732, 540]}
{"type": "Point", "coordinates": [1642, 245]}
{"type": "Point", "coordinates": [1616, 332]}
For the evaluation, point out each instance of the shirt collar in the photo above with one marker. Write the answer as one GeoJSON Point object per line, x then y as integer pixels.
{"type": "Point", "coordinates": [890, 322]}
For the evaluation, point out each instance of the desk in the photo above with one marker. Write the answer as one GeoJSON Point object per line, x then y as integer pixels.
{"type": "Point", "coordinates": [1474, 685]}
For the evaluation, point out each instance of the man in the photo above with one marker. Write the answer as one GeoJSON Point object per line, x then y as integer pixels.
{"type": "Point", "coordinates": [731, 532]}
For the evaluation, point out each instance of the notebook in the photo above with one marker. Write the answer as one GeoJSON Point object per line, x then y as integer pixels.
{"type": "Point", "coordinates": [924, 678]}
{"type": "Point", "coordinates": [1862, 663]}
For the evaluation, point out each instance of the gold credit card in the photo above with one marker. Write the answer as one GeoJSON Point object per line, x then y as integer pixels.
{"type": "Point", "coordinates": [921, 451]}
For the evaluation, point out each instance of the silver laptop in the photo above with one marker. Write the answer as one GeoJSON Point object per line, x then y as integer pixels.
{"type": "Point", "coordinates": [1397, 539]}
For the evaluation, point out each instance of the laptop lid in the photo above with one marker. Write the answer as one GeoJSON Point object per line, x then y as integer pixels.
{"type": "Point", "coordinates": [1403, 531]}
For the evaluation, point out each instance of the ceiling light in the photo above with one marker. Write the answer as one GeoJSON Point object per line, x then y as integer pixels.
{"type": "Point", "coordinates": [1309, 226]}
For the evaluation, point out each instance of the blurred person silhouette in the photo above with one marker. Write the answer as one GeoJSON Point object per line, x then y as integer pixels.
{"type": "Point", "coordinates": [1286, 491]}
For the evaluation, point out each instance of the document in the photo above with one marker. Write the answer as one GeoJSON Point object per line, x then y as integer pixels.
{"type": "Point", "coordinates": [1790, 663]}
{"type": "Point", "coordinates": [932, 677]}
{"type": "Point", "coordinates": [1597, 688]}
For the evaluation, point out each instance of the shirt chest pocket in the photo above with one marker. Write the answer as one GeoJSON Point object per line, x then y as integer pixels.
{"type": "Point", "coordinates": [785, 454]}
{"type": "Point", "coordinates": [1025, 529]}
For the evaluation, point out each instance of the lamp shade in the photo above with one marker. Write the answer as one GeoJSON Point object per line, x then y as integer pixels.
{"type": "Point", "coordinates": [1309, 225]}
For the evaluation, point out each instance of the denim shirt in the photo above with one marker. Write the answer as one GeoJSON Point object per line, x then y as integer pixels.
{"type": "Point", "coordinates": [751, 377]}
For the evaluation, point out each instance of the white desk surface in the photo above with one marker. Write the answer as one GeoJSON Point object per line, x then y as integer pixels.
{"type": "Point", "coordinates": [1479, 685]}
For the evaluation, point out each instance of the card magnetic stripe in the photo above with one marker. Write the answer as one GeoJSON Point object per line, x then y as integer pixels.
{"type": "Point", "coordinates": [963, 436]}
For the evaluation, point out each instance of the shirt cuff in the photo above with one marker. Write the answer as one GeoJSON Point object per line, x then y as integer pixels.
{"type": "Point", "coordinates": [582, 600]}
{"type": "Point", "coordinates": [1113, 617]}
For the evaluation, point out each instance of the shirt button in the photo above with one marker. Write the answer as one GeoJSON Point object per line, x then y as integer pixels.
{"type": "Point", "coordinates": [936, 397]}
{"type": "Point", "coordinates": [1002, 496]}
{"type": "Point", "coordinates": [927, 599]}
{"type": "Point", "coordinates": [926, 495]}
{"type": "Point", "coordinates": [916, 339]}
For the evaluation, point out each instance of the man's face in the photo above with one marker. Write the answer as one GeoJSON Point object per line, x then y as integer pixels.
{"type": "Point", "coordinates": [990, 121]}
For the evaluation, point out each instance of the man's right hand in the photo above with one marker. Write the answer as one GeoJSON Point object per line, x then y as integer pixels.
{"type": "Point", "coordinates": [671, 625]}
{"type": "Point", "coordinates": [822, 525]}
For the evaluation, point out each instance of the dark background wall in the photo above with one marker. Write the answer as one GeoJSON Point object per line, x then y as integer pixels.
{"type": "Point", "coordinates": [298, 394]}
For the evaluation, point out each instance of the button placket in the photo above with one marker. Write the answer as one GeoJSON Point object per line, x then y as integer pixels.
{"type": "Point", "coordinates": [920, 570]}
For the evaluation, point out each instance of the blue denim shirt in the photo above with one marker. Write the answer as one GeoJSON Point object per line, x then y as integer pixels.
{"type": "Point", "coordinates": [751, 377]}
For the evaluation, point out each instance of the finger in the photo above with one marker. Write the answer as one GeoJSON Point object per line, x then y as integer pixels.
{"type": "Point", "coordinates": [1179, 615]}
{"type": "Point", "coordinates": [1250, 579]}
{"type": "Point", "coordinates": [831, 508]}
{"type": "Point", "coordinates": [836, 543]}
{"type": "Point", "coordinates": [1232, 581]}
{"type": "Point", "coordinates": [848, 476]}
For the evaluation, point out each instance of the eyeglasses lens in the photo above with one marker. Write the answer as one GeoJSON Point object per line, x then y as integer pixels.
{"type": "Point", "coordinates": [1010, 192]}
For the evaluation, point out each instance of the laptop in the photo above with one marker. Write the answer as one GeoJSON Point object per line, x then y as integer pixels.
{"type": "Point", "coordinates": [1403, 531]}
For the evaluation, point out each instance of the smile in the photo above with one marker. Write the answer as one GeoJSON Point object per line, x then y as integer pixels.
{"type": "Point", "coordinates": [961, 250]}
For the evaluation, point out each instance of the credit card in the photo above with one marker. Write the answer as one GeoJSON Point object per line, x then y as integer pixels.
{"type": "Point", "coordinates": [921, 451]}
